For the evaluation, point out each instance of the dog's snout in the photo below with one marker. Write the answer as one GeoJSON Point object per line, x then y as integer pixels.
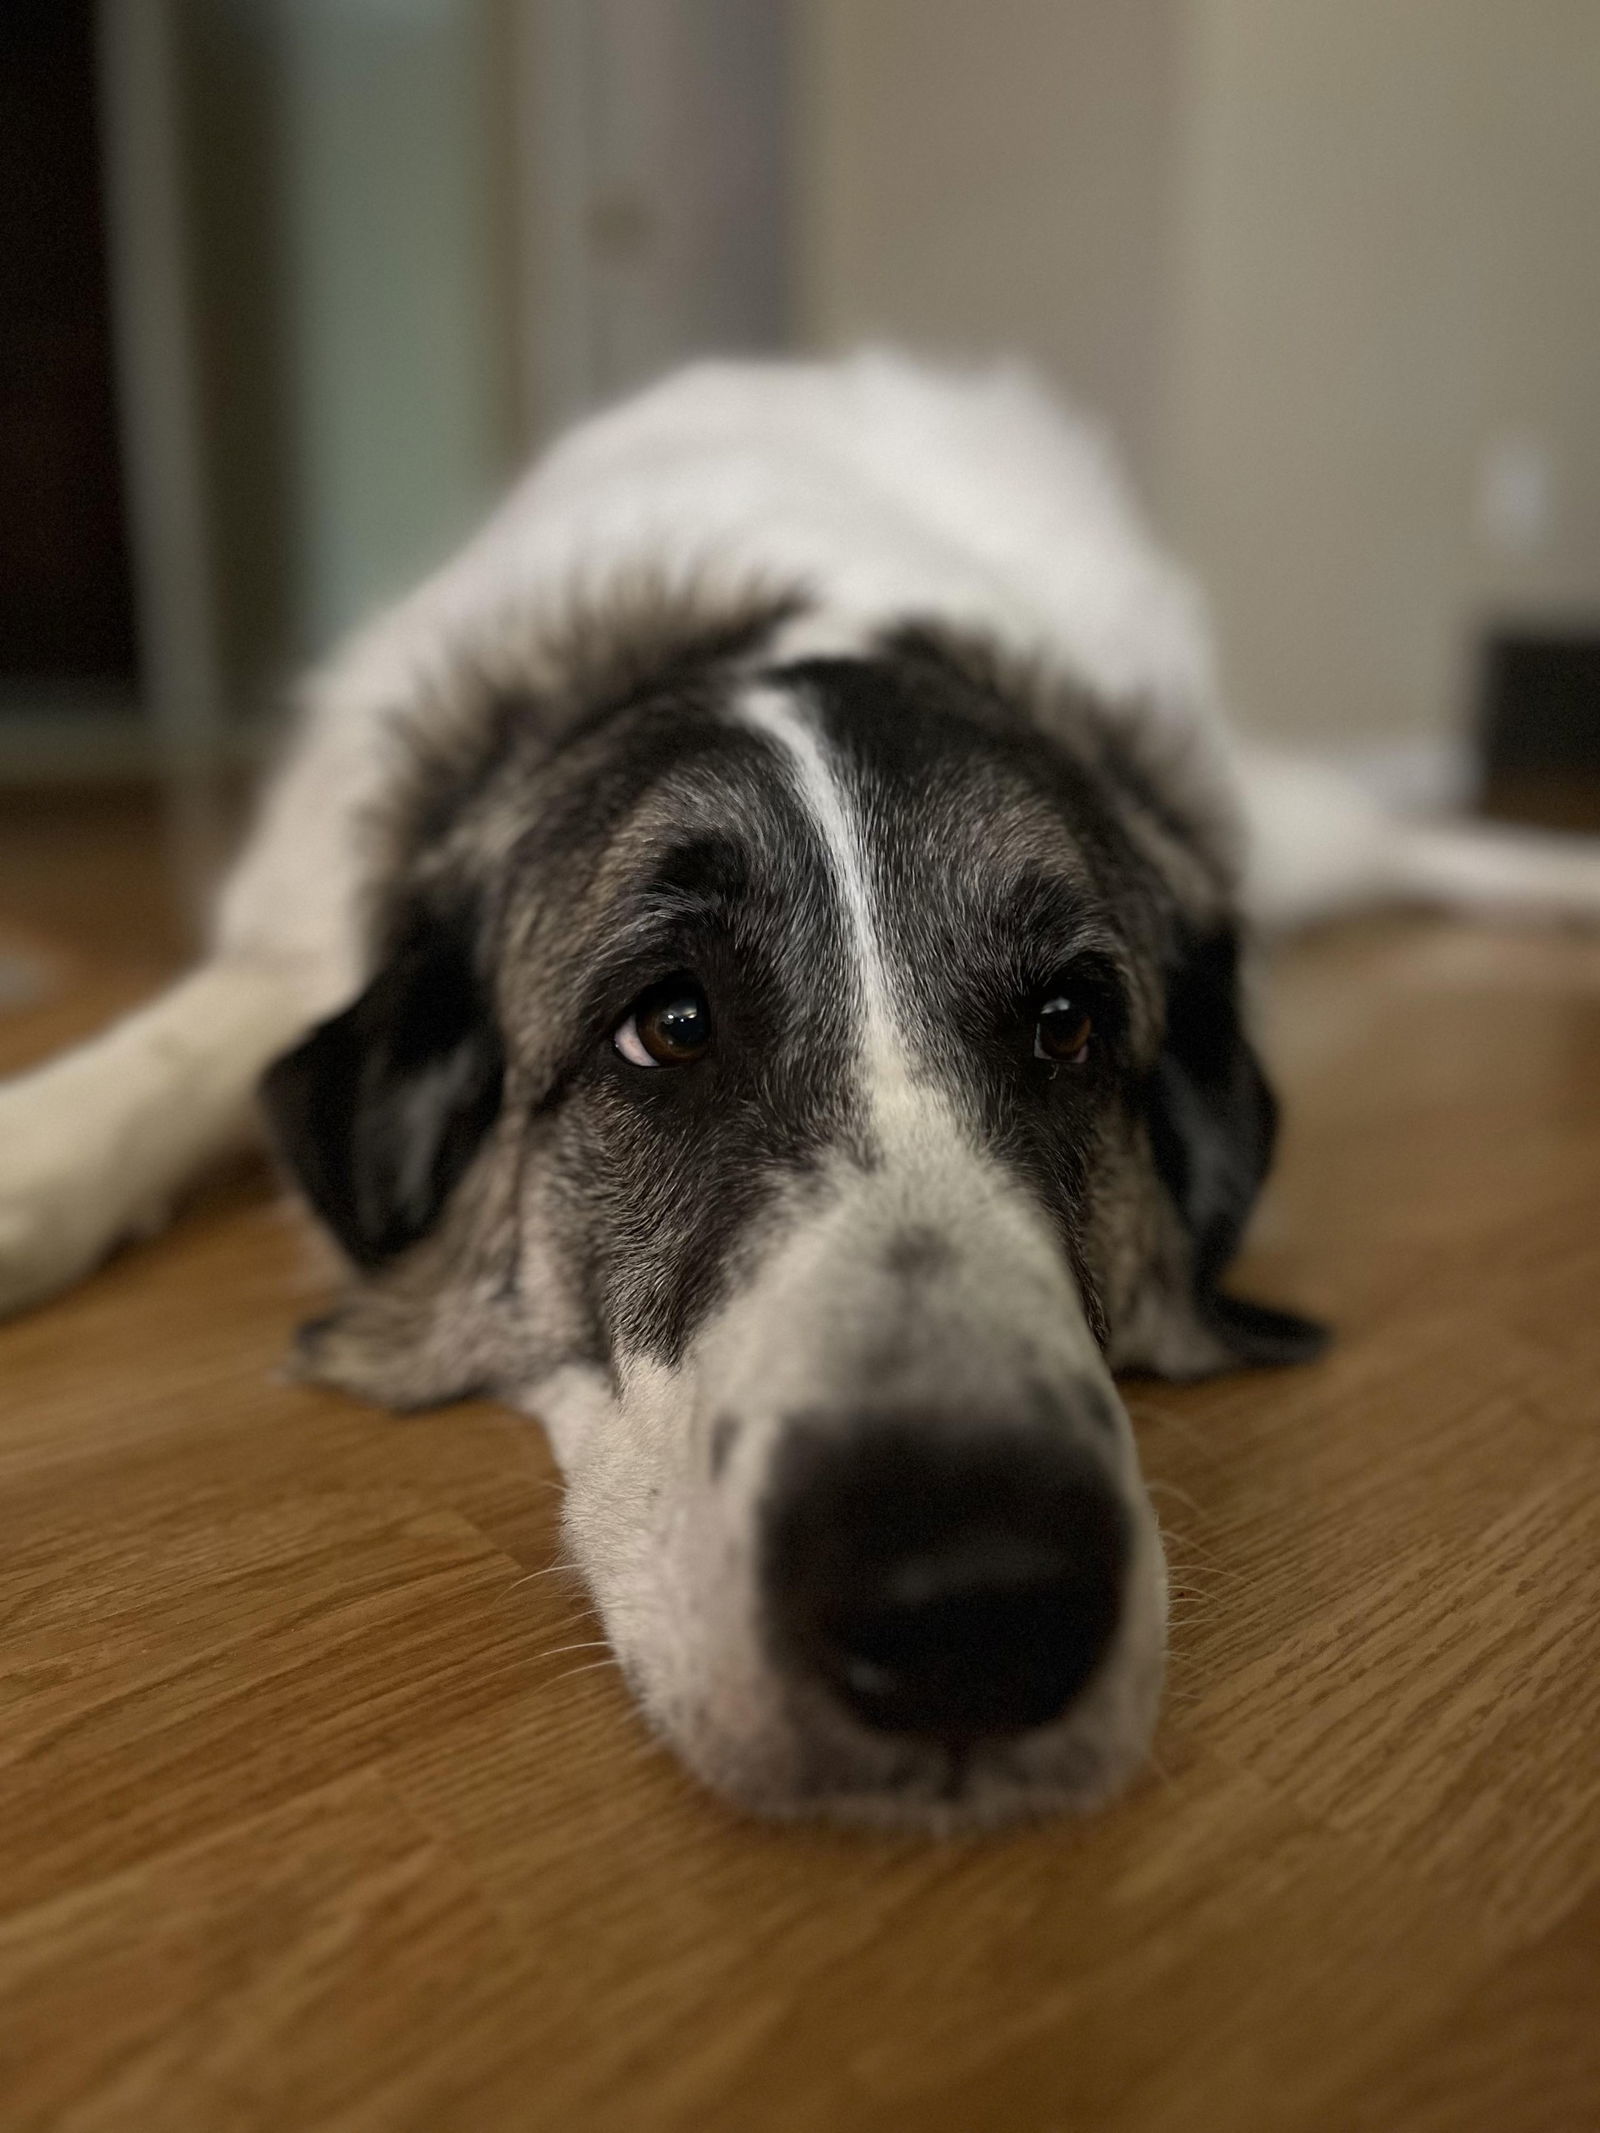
{"type": "Point", "coordinates": [949, 1585]}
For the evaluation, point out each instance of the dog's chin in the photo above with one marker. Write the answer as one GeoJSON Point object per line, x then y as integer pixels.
{"type": "Point", "coordinates": [988, 1795]}
{"type": "Point", "coordinates": [801, 1769]}
{"type": "Point", "coordinates": [931, 1792]}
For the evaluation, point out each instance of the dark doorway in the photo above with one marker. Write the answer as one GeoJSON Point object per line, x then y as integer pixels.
{"type": "Point", "coordinates": [66, 602]}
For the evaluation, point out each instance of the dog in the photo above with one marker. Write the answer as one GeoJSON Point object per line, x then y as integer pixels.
{"type": "Point", "coordinates": [749, 965]}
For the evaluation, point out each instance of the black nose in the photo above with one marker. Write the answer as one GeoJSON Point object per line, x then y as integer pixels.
{"type": "Point", "coordinates": [947, 1584]}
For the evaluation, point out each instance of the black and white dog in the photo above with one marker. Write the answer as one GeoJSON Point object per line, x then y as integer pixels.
{"type": "Point", "coordinates": [778, 899]}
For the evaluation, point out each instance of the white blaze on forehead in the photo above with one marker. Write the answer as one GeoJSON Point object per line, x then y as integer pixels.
{"type": "Point", "coordinates": [826, 1277]}
{"type": "Point", "coordinates": [779, 716]}
{"type": "Point", "coordinates": [807, 1321]}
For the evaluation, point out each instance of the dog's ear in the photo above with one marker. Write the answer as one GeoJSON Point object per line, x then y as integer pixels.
{"type": "Point", "coordinates": [1212, 1121]}
{"type": "Point", "coordinates": [380, 1110]}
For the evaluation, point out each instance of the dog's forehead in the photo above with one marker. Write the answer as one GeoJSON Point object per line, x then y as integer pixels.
{"type": "Point", "coordinates": [664, 823]}
{"type": "Point", "coordinates": [972, 841]}
{"type": "Point", "coordinates": [929, 790]}
{"type": "Point", "coordinates": [940, 797]}
{"type": "Point", "coordinates": [781, 796]}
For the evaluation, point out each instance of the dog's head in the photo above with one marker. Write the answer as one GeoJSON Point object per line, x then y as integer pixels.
{"type": "Point", "coordinates": [802, 1084]}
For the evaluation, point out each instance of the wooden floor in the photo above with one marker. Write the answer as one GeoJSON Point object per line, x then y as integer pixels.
{"type": "Point", "coordinates": [315, 1810]}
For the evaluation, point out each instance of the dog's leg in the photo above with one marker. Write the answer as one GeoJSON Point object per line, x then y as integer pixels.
{"type": "Point", "coordinates": [1499, 871]}
{"type": "Point", "coordinates": [95, 1144]}
{"type": "Point", "coordinates": [1320, 845]}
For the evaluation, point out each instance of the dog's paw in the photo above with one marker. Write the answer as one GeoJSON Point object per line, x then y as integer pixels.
{"type": "Point", "coordinates": [62, 1200]}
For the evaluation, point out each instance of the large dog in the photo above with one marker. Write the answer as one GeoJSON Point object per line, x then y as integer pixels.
{"type": "Point", "coordinates": [752, 956]}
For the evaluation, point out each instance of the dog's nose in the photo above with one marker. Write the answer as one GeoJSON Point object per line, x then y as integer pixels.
{"type": "Point", "coordinates": [948, 1585]}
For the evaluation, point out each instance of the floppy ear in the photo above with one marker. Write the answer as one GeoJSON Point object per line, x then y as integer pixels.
{"type": "Point", "coordinates": [380, 1110]}
{"type": "Point", "coordinates": [1213, 1121]}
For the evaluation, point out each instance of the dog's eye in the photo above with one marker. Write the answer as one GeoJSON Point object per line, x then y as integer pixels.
{"type": "Point", "coordinates": [1062, 1032]}
{"type": "Point", "coordinates": [668, 1026]}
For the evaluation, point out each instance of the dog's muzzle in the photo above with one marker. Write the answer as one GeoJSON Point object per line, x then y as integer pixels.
{"type": "Point", "coordinates": [952, 1582]}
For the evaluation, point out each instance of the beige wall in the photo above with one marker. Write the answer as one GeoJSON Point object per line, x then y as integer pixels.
{"type": "Point", "coordinates": [1330, 265]}
{"type": "Point", "coordinates": [978, 174]}
{"type": "Point", "coordinates": [1390, 262]}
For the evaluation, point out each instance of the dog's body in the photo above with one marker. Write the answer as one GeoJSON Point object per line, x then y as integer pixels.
{"type": "Point", "coordinates": [788, 876]}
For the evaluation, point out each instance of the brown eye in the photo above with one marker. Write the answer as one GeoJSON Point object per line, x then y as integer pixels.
{"type": "Point", "coordinates": [669, 1026]}
{"type": "Point", "coordinates": [1062, 1032]}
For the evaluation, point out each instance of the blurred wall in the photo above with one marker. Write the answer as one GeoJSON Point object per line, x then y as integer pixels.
{"type": "Point", "coordinates": [997, 175]}
{"type": "Point", "coordinates": [654, 186]}
{"type": "Point", "coordinates": [424, 233]}
{"type": "Point", "coordinates": [1328, 265]}
{"type": "Point", "coordinates": [349, 215]}
{"type": "Point", "coordinates": [1385, 414]}
{"type": "Point", "coordinates": [396, 206]}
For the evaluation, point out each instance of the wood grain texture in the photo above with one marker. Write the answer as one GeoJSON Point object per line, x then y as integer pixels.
{"type": "Point", "coordinates": [320, 1809]}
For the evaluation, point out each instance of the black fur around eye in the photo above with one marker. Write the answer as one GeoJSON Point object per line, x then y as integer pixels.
{"type": "Point", "coordinates": [1061, 1034]}
{"type": "Point", "coordinates": [670, 1025]}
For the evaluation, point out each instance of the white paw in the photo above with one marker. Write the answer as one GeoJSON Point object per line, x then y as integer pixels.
{"type": "Point", "coordinates": [64, 1193]}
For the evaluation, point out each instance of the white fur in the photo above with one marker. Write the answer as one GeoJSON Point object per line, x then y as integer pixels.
{"type": "Point", "coordinates": [94, 1145]}
{"type": "Point", "coordinates": [883, 1052]}
{"type": "Point", "coordinates": [1320, 845]}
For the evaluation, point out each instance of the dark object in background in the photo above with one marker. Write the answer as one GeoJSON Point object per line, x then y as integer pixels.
{"type": "Point", "coordinates": [66, 602]}
{"type": "Point", "coordinates": [1539, 730]}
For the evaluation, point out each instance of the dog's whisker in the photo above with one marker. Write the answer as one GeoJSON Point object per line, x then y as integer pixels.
{"type": "Point", "coordinates": [569, 1570]}
{"type": "Point", "coordinates": [593, 1666]}
{"type": "Point", "coordinates": [1189, 1538]}
{"type": "Point", "coordinates": [1170, 1488]}
{"type": "Point", "coordinates": [1228, 1575]}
